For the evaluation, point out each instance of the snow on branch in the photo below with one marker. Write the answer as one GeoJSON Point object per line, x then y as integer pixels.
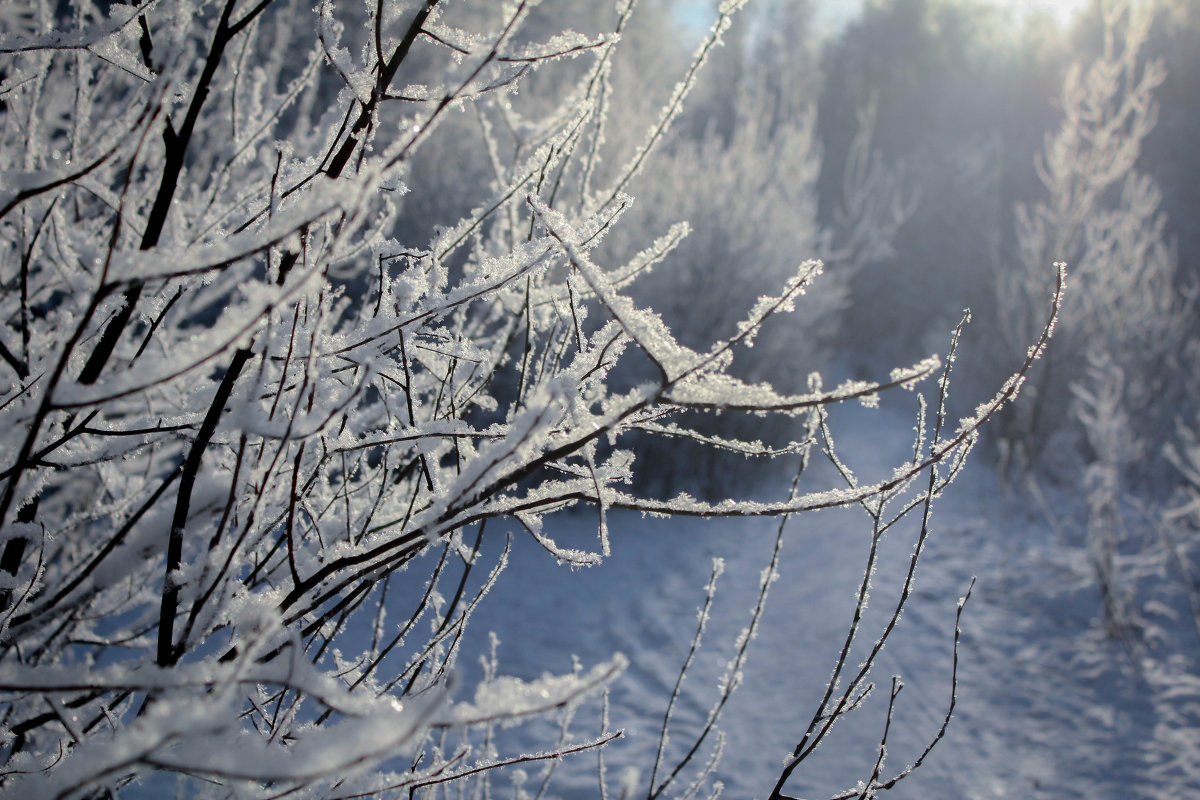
{"type": "Point", "coordinates": [309, 318]}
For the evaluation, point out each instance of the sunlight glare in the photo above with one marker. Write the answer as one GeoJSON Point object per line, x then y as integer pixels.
{"type": "Point", "coordinates": [1061, 11]}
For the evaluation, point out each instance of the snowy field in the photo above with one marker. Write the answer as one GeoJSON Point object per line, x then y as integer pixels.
{"type": "Point", "coordinates": [1049, 705]}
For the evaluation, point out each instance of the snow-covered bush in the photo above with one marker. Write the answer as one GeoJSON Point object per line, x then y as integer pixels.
{"type": "Point", "coordinates": [1129, 310]}
{"type": "Point", "coordinates": [751, 206]}
{"type": "Point", "coordinates": [240, 417]}
{"type": "Point", "coordinates": [747, 151]}
{"type": "Point", "coordinates": [1103, 401]}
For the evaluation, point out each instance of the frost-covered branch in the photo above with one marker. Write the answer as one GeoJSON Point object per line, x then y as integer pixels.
{"type": "Point", "coordinates": [290, 356]}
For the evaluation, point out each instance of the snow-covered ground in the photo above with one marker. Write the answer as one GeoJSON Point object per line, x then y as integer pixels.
{"type": "Point", "coordinates": [1049, 706]}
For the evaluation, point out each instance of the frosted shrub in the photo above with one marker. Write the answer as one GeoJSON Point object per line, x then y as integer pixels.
{"type": "Point", "coordinates": [1103, 398]}
{"type": "Point", "coordinates": [750, 199]}
{"type": "Point", "coordinates": [1128, 307]}
{"type": "Point", "coordinates": [238, 416]}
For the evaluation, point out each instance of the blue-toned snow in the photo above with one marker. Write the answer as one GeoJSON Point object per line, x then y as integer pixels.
{"type": "Point", "coordinates": [1048, 706]}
